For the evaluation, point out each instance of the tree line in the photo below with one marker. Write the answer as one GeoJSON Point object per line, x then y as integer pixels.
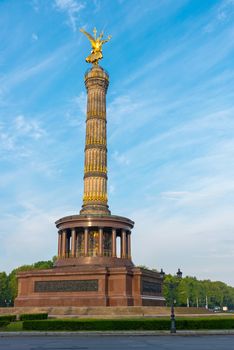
{"type": "Point", "coordinates": [8, 283]}
{"type": "Point", "coordinates": [187, 291]}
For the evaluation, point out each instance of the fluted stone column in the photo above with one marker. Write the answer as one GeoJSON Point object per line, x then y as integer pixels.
{"type": "Point", "coordinates": [100, 241]}
{"type": "Point", "coordinates": [86, 241]}
{"type": "Point", "coordinates": [67, 245]}
{"type": "Point", "coordinates": [73, 243]}
{"type": "Point", "coordinates": [114, 242]}
{"type": "Point", "coordinates": [64, 239]}
{"type": "Point", "coordinates": [129, 245]}
{"type": "Point", "coordinates": [95, 167]}
{"type": "Point", "coordinates": [59, 244]}
{"type": "Point", "coordinates": [123, 244]}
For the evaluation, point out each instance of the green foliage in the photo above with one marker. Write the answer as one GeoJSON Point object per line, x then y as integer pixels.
{"type": "Point", "coordinates": [11, 290]}
{"type": "Point", "coordinates": [9, 318]}
{"type": "Point", "coordinates": [3, 324]}
{"type": "Point", "coordinates": [143, 267]}
{"type": "Point", "coordinates": [14, 327]}
{"type": "Point", "coordinates": [41, 265]}
{"type": "Point", "coordinates": [4, 289]}
{"type": "Point", "coordinates": [128, 324]}
{"type": "Point", "coordinates": [189, 289]}
{"type": "Point", "coordinates": [205, 323]}
{"type": "Point", "coordinates": [97, 325]}
{"type": "Point", "coordinates": [40, 316]}
{"type": "Point", "coordinates": [6, 320]}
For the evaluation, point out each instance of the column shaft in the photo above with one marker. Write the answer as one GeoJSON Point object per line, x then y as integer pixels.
{"type": "Point", "coordinates": [73, 244]}
{"type": "Point", "coordinates": [100, 242]}
{"type": "Point", "coordinates": [123, 244]}
{"type": "Point", "coordinates": [59, 244]}
{"type": "Point", "coordinates": [86, 241]}
{"type": "Point", "coordinates": [64, 238]}
{"type": "Point", "coordinates": [129, 245]}
{"type": "Point", "coordinates": [114, 242]}
{"type": "Point", "coordinates": [67, 245]}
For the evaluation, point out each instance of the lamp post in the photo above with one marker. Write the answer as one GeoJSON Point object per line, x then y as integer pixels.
{"type": "Point", "coordinates": [172, 287]}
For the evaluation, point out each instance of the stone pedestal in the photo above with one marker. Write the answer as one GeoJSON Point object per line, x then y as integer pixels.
{"type": "Point", "coordinates": [89, 285]}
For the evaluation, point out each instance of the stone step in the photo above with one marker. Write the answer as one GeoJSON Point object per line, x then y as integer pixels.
{"type": "Point", "coordinates": [106, 312]}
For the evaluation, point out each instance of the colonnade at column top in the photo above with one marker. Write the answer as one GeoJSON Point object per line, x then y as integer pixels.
{"type": "Point", "coordinates": [93, 241]}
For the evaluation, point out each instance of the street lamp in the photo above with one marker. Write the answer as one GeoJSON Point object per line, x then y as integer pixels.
{"type": "Point", "coordinates": [172, 287]}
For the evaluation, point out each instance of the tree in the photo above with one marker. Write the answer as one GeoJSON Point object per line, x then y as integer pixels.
{"type": "Point", "coordinates": [4, 291]}
{"type": "Point", "coordinates": [196, 292]}
{"type": "Point", "coordinates": [12, 278]}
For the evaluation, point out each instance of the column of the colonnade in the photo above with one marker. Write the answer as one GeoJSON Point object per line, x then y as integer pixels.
{"type": "Point", "coordinates": [114, 242]}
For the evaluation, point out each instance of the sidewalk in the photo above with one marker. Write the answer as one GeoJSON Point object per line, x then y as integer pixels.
{"type": "Point", "coordinates": [118, 333]}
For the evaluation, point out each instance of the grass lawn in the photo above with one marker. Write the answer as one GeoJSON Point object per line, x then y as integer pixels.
{"type": "Point", "coordinates": [13, 327]}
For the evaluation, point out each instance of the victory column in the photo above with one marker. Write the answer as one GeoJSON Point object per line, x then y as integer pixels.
{"type": "Point", "coordinates": [89, 271]}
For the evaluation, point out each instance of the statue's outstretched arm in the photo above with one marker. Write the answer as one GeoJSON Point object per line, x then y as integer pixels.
{"type": "Point", "coordinates": [100, 36]}
{"type": "Point", "coordinates": [89, 36]}
{"type": "Point", "coordinates": [106, 40]}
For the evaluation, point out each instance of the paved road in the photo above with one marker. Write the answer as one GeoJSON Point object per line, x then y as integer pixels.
{"type": "Point", "coordinates": [212, 342]}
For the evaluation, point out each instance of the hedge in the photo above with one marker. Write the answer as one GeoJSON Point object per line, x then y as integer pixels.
{"type": "Point", "coordinates": [9, 318]}
{"type": "Point", "coordinates": [127, 324]}
{"type": "Point", "coordinates": [205, 323]}
{"type": "Point", "coordinates": [97, 325]}
{"type": "Point", "coordinates": [41, 316]}
{"type": "Point", "coordinates": [4, 323]}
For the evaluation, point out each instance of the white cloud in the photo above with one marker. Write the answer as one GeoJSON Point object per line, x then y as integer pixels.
{"type": "Point", "coordinates": [35, 231]}
{"type": "Point", "coordinates": [155, 63]}
{"type": "Point", "coordinates": [6, 142]}
{"type": "Point", "coordinates": [76, 110]}
{"type": "Point", "coordinates": [120, 107]}
{"type": "Point", "coordinates": [17, 134]}
{"type": "Point", "coordinates": [34, 37]}
{"type": "Point", "coordinates": [97, 5]}
{"type": "Point", "coordinates": [120, 158]}
{"type": "Point", "coordinates": [222, 13]}
{"type": "Point", "coordinates": [112, 189]}
{"type": "Point", "coordinates": [185, 182]}
{"type": "Point", "coordinates": [34, 67]}
{"type": "Point", "coordinates": [35, 5]}
{"type": "Point", "coordinates": [29, 234]}
{"type": "Point", "coordinates": [80, 102]}
{"type": "Point", "coordinates": [71, 8]}
{"type": "Point", "coordinates": [199, 242]}
{"type": "Point", "coordinates": [126, 110]}
{"type": "Point", "coordinates": [30, 128]}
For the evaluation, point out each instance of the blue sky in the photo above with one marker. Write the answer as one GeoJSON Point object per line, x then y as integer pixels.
{"type": "Point", "coordinates": [170, 127]}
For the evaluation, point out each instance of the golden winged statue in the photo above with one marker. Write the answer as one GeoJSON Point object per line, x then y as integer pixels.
{"type": "Point", "coordinates": [96, 42]}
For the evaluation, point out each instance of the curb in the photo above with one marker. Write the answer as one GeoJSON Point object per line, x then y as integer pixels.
{"type": "Point", "coordinates": [117, 333]}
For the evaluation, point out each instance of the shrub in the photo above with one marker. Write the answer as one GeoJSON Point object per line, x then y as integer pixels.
{"type": "Point", "coordinates": [97, 325]}
{"type": "Point", "coordinates": [41, 316]}
{"type": "Point", "coordinates": [127, 324]}
{"type": "Point", "coordinates": [4, 323]}
{"type": "Point", "coordinates": [205, 323]}
{"type": "Point", "coordinates": [9, 318]}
